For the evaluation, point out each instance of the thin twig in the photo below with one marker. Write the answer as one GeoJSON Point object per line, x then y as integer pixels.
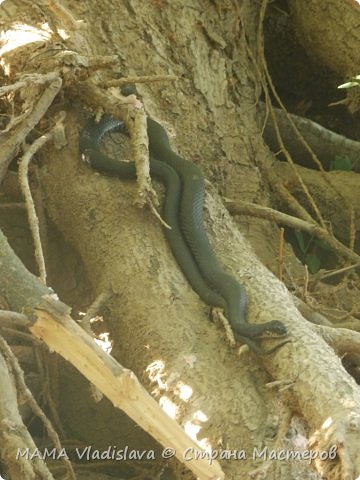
{"type": "Point", "coordinates": [339, 271]}
{"type": "Point", "coordinates": [32, 217]}
{"type": "Point", "coordinates": [313, 228]}
{"type": "Point", "coordinates": [93, 310]}
{"type": "Point", "coordinates": [217, 314]}
{"type": "Point", "coordinates": [50, 388]}
{"type": "Point", "coordinates": [25, 188]}
{"type": "Point", "coordinates": [306, 283]}
{"type": "Point", "coordinates": [63, 14]}
{"type": "Point", "coordinates": [273, 179]}
{"type": "Point", "coordinates": [352, 228]}
{"type": "Point", "coordinates": [157, 215]}
{"type": "Point", "coordinates": [279, 384]}
{"type": "Point", "coordinates": [39, 205]}
{"type": "Point", "coordinates": [14, 434]}
{"type": "Point", "coordinates": [13, 205]}
{"type": "Point", "coordinates": [137, 125]}
{"type": "Point", "coordinates": [27, 80]}
{"type": "Point", "coordinates": [27, 395]}
{"type": "Point", "coordinates": [12, 139]}
{"type": "Point", "coordinates": [141, 79]}
{"type": "Point", "coordinates": [260, 46]}
{"type": "Point", "coordinates": [281, 254]}
{"type": "Point", "coordinates": [13, 319]}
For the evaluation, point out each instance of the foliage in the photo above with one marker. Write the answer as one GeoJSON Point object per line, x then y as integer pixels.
{"type": "Point", "coordinates": [311, 249]}
{"type": "Point", "coordinates": [341, 162]}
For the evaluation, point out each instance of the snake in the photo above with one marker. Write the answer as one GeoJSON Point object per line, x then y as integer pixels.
{"type": "Point", "coordinates": [183, 212]}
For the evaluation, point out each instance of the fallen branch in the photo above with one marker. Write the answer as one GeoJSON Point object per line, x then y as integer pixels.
{"type": "Point", "coordinates": [53, 324]}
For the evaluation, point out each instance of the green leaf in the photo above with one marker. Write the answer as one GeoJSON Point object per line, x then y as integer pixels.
{"type": "Point", "coordinates": [322, 244]}
{"type": "Point", "coordinates": [313, 262]}
{"type": "Point", "coordinates": [341, 162]}
{"type": "Point", "coordinates": [300, 239]}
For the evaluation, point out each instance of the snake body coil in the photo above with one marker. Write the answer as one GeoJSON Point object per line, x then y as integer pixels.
{"type": "Point", "coordinates": [183, 211]}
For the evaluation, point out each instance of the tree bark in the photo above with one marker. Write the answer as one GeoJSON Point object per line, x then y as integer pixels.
{"type": "Point", "coordinates": [330, 45]}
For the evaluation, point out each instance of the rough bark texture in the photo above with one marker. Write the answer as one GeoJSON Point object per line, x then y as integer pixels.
{"type": "Point", "coordinates": [332, 46]}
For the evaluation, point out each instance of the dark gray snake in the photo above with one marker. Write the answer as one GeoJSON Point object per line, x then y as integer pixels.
{"type": "Point", "coordinates": [183, 211]}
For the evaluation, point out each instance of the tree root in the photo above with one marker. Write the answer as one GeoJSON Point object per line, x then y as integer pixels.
{"type": "Point", "coordinates": [14, 436]}
{"type": "Point", "coordinates": [336, 448]}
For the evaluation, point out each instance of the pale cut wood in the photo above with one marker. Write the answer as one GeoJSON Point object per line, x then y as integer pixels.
{"type": "Point", "coordinates": [120, 385]}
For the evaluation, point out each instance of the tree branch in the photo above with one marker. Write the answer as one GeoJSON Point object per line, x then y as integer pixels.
{"type": "Point", "coordinates": [12, 139]}
{"type": "Point", "coordinates": [54, 325]}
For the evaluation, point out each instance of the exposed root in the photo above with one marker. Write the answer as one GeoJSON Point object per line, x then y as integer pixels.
{"type": "Point", "coordinates": [341, 340]}
{"type": "Point", "coordinates": [336, 446]}
{"type": "Point", "coordinates": [13, 433]}
{"type": "Point", "coordinates": [27, 396]}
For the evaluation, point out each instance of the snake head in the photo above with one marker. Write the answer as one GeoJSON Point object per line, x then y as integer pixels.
{"type": "Point", "coordinates": [274, 329]}
{"type": "Point", "coordinates": [251, 335]}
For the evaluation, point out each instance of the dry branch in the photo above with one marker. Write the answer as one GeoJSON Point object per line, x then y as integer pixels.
{"type": "Point", "coordinates": [137, 79]}
{"type": "Point", "coordinates": [30, 208]}
{"type": "Point", "coordinates": [13, 433]}
{"type": "Point", "coordinates": [13, 319]}
{"type": "Point", "coordinates": [117, 383]}
{"type": "Point", "coordinates": [240, 207]}
{"type": "Point", "coordinates": [25, 188]}
{"type": "Point", "coordinates": [54, 325]}
{"type": "Point", "coordinates": [26, 395]}
{"type": "Point", "coordinates": [29, 80]}
{"type": "Point", "coordinates": [11, 140]}
{"type": "Point", "coordinates": [131, 111]}
{"type": "Point", "coordinates": [335, 208]}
